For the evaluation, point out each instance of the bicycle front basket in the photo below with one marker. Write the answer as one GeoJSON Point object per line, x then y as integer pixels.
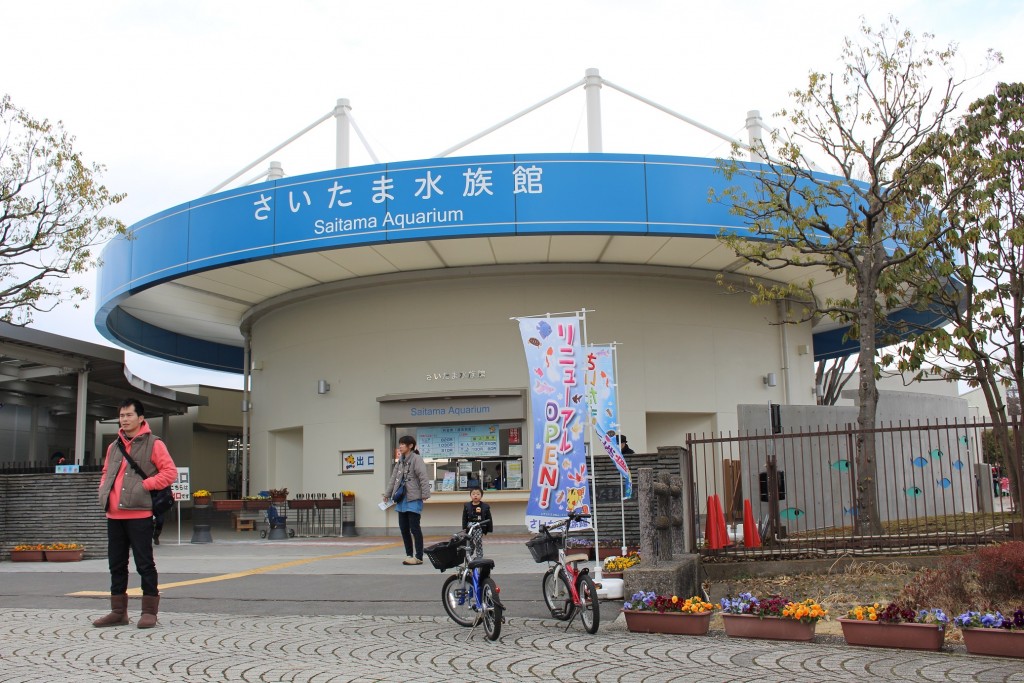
{"type": "Point", "coordinates": [544, 547]}
{"type": "Point", "coordinates": [446, 554]}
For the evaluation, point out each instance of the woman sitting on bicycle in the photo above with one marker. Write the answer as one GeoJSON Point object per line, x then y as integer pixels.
{"type": "Point", "coordinates": [477, 511]}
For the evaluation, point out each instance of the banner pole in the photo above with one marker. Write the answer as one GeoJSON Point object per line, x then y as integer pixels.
{"type": "Point", "coordinates": [618, 432]}
{"type": "Point", "coordinates": [593, 472]}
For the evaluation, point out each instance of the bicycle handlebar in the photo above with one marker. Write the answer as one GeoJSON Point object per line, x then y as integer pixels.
{"type": "Point", "coordinates": [572, 517]}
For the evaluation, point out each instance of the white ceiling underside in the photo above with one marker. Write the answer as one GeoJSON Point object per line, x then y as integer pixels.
{"type": "Point", "coordinates": [211, 305]}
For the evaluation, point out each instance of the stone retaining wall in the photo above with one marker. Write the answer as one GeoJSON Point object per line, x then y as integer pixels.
{"type": "Point", "coordinates": [51, 508]}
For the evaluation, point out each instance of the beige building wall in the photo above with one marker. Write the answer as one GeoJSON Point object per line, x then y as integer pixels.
{"type": "Point", "coordinates": [689, 354]}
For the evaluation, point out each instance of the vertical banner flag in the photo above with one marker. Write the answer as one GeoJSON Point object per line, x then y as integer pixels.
{"type": "Point", "coordinates": [603, 403]}
{"type": "Point", "coordinates": [554, 357]}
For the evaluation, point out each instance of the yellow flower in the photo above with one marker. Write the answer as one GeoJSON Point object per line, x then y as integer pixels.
{"type": "Point", "coordinates": [807, 611]}
{"type": "Point", "coordinates": [202, 493]}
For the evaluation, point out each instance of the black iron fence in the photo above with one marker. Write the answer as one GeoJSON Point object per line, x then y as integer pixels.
{"type": "Point", "coordinates": [804, 492]}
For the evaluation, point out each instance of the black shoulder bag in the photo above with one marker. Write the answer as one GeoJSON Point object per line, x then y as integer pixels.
{"type": "Point", "coordinates": [398, 495]}
{"type": "Point", "coordinates": [163, 499]}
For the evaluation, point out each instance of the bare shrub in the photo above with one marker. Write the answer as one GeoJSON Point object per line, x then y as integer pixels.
{"type": "Point", "coordinates": [1001, 572]}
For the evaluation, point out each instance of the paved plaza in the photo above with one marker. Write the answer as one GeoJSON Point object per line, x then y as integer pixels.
{"type": "Point", "coordinates": [348, 610]}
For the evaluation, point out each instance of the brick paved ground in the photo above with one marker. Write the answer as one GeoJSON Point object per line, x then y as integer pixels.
{"type": "Point", "coordinates": [348, 610]}
{"type": "Point", "coordinates": [60, 645]}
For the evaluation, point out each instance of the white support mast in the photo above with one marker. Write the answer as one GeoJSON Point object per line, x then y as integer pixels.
{"type": "Point", "coordinates": [592, 86]}
{"type": "Point", "coordinates": [341, 119]}
{"type": "Point", "coordinates": [755, 130]}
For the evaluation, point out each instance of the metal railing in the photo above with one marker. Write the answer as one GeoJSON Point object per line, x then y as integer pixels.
{"type": "Point", "coordinates": [41, 467]}
{"type": "Point", "coordinates": [932, 492]}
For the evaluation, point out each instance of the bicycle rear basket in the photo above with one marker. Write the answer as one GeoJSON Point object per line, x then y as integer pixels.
{"type": "Point", "coordinates": [446, 554]}
{"type": "Point", "coordinates": [544, 547]}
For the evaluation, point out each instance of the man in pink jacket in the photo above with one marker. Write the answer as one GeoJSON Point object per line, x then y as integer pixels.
{"type": "Point", "coordinates": [125, 498]}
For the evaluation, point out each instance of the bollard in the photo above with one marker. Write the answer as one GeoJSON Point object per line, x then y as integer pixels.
{"type": "Point", "coordinates": [348, 516]}
{"type": "Point", "coordinates": [201, 524]}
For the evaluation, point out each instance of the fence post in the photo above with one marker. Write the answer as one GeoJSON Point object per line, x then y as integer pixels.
{"type": "Point", "coordinates": [689, 511]}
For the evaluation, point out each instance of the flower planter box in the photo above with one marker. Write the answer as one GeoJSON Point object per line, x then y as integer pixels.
{"type": "Point", "coordinates": [27, 556]}
{"type": "Point", "coordinates": [256, 504]}
{"type": "Point", "coordinates": [227, 505]}
{"type": "Point", "coordinates": [899, 636]}
{"type": "Point", "coordinates": [667, 622]}
{"type": "Point", "coordinates": [305, 504]}
{"type": "Point", "coordinates": [768, 628]}
{"type": "Point", "coordinates": [995, 642]}
{"type": "Point", "coordinates": [603, 552]}
{"type": "Point", "coordinates": [64, 555]}
{"type": "Point", "coordinates": [200, 501]}
{"type": "Point", "coordinates": [611, 575]}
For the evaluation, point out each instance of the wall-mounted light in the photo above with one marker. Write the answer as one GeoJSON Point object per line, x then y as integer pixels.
{"type": "Point", "coordinates": [322, 387]}
{"type": "Point", "coordinates": [769, 379]}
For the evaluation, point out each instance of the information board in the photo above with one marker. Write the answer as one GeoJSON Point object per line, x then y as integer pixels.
{"type": "Point", "coordinates": [357, 461]}
{"type": "Point", "coordinates": [458, 441]}
{"type": "Point", "coordinates": [182, 488]}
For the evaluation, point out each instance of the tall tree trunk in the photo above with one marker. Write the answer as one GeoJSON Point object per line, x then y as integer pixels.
{"type": "Point", "coordinates": [868, 521]}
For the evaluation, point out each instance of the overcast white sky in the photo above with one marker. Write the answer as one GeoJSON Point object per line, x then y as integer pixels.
{"type": "Point", "coordinates": [176, 96]}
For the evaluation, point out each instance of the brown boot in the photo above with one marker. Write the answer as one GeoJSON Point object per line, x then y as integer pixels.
{"type": "Point", "coordinates": [118, 612]}
{"type": "Point", "coordinates": [150, 606]}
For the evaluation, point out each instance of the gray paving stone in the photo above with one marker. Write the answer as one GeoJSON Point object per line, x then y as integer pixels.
{"type": "Point", "coordinates": [47, 645]}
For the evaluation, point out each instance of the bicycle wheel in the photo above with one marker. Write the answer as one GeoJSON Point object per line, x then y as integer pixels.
{"type": "Point", "coordinates": [491, 607]}
{"type": "Point", "coordinates": [557, 595]}
{"type": "Point", "coordinates": [590, 608]}
{"type": "Point", "coordinates": [457, 598]}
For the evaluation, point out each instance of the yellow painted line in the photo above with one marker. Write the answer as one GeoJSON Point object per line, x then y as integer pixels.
{"type": "Point", "coordinates": [248, 572]}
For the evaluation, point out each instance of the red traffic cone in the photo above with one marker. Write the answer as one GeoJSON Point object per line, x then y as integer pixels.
{"type": "Point", "coordinates": [721, 522]}
{"type": "Point", "coordinates": [751, 539]}
{"type": "Point", "coordinates": [714, 532]}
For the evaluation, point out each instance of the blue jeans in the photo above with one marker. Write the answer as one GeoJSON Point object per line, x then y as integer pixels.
{"type": "Point", "coordinates": [409, 524]}
{"type": "Point", "coordinates": [135, 535]}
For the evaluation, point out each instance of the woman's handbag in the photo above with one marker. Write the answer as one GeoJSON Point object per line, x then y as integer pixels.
{"type": "Point", "coordinates": [163, 499]}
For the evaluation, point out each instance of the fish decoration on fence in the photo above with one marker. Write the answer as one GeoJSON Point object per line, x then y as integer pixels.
{"type": "Point", "coordinates": [919, 461]}
{"type": "Point", "coordinates": [944, 482]}
{"type": "Point", "coordinates": [937, 454]}
{"type": "Point", "coordinates": [840, 465]}
{"type": "Point", "coordinates": [791, 513]}
{"type": "Point", "coordinates": [913, 491]}
{"type": "Point", "coordinates": [958, 465]}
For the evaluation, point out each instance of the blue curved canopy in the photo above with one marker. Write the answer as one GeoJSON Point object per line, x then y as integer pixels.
{"type": "Point", "coordinates": [450, 198]}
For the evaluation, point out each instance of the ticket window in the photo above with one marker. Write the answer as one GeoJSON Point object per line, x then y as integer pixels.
{"type": "Point", "coordinates": [446, 451]}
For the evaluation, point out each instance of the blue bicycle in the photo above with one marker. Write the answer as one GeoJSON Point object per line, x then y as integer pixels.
{"type": "Point", "coordinates": [470, 596]}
